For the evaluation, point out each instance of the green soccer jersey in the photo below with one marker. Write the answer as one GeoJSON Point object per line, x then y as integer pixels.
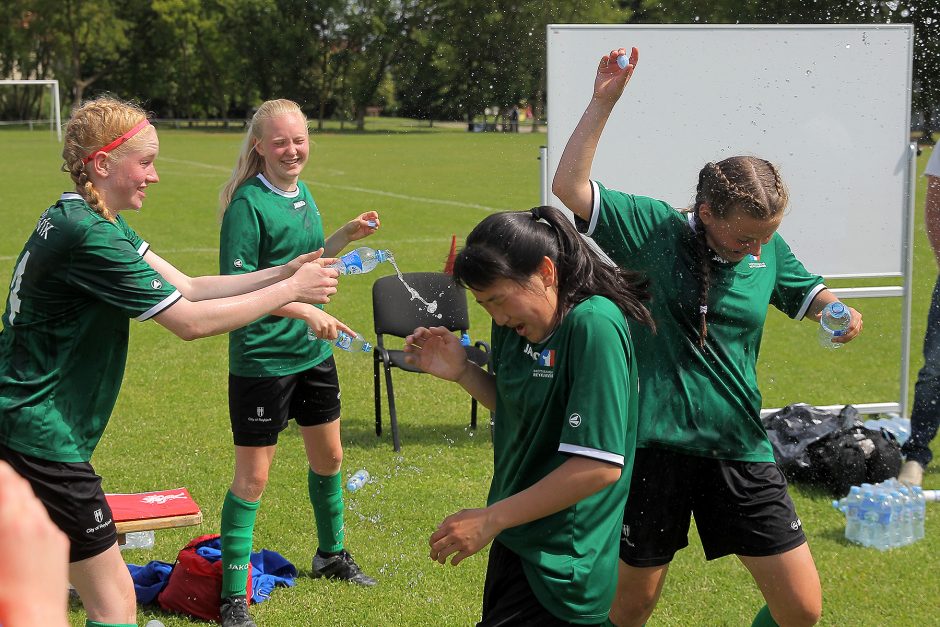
{"type": "Point", "coordinates": [699, 402]}
{"type": "Point", "coordinates": [265, 227]}
{"type": "Point", "coordinates": [572, 394]}
{"type": "Point", "coordinates": [78, 281]}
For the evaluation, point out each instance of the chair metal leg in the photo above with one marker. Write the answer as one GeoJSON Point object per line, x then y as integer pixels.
{"type": "Point", "coordinates": [378, 396]}
{"type": "Point", "coordinates": [392, 414]}
{"type": "Point", "coordinates": [473, 413]}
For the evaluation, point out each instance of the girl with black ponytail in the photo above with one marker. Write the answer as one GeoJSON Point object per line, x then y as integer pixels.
{"type": "Point", "coordinates": [701, 448]}
{"type": "Point", "coordinates": [564, 393]}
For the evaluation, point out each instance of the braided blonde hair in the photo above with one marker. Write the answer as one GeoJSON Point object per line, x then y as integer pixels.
{"type": "Point", "coordinates": [92, 125]}
{"type": "Point", "coordinates": [250, 163]}
{"type": "Point", "coordinates": [743, 183]}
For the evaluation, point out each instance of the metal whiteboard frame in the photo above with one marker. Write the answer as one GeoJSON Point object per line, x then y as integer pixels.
{"type": "Point", "coordinates": [889, 291]}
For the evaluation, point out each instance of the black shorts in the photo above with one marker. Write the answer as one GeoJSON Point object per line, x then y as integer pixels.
{"type": "Point", "coordinates": [73, 498]}
{"type": "Point", "coordinates": [508, 600]}
{"type": "Point", "coordinates": [740, 508]}
{"type": "Point", "coordinates": [261, 407]}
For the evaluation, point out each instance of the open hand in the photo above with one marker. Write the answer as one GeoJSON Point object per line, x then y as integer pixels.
{"type": "Point", "coordinates": [461, 535]}
{"type": "Point", "coordinates": [436, 351]}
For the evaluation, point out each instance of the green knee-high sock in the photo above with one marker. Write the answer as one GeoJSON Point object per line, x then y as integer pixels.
{"type": "Point", "coordinates": [238, 527]}
{"type": "Point", "coordinates": [94, 623]}
{"type": "Point", "coordinates": [764, 619]}
{"type": "Point", "coordinates": [326, 496]}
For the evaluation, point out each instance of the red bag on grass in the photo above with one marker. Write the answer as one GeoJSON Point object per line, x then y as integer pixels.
{"type": "Point", "coordinates": [195, 584]}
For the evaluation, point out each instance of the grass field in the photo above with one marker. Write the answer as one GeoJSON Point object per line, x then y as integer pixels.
{"type": "Point", "coordinates": [170, 426]}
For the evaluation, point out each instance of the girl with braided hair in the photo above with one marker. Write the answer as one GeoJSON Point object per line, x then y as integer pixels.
{"type": "Point", "coordinates": [82, 275]}
{"type": "Point", "coordinates": [563, 390]}
{"type": "Point", "coordinates": [701, 448]}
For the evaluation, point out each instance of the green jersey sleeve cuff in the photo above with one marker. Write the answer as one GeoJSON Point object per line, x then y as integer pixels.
{"type": "Point", "coordinates": [593, 453]}
{"type": "Point", "coordinates": [807, 301]}
{"type": "Point", "coordinates": [161, 306]}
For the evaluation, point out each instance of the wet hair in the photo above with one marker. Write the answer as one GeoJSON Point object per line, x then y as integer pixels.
{"type": "Point", "coordinates": [512, 244]}
{"type": "Point", "coordinates": [95, 124]}
{"type": "Point", "coordinates": [250, 163]}
{"type": "Point", "coordinates": [743, 183]}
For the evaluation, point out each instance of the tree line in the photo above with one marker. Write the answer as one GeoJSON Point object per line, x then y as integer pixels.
{"type": "Point", "coordinates": [425, 59]}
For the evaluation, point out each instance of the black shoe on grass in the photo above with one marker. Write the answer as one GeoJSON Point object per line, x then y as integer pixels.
{"type": "Point", "coordinates": [340, 566]}
{"type": "Point", "coordinates": [234, 611]}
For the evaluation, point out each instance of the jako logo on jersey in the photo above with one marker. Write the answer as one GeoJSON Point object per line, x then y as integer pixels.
{"type": "Point", "coordinates": [796, 524]}
{"type": "Point", "coordinates": [755, 262]}
{"type": "Point", "coordinates": [156, 284]}
{"type": "Point", "coordinates": [531, 353]}
{"type": "Point", "coordinates": [574, 420]}
{"type": "Point", "coordinates": [299, 204]}
{"type": "Point", "coordinates": [547, 358]}
{"type": "Point", "coordinates": [237, 263]}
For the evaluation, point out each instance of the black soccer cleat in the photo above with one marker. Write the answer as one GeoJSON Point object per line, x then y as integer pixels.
{"type": "Point", "coordinates": [340, 566]}
{"type": "Point", "coordinates": [234, 612]}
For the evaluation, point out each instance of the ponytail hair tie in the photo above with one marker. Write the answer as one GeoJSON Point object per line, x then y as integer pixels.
{"type": "Point", "coordinates": [536, 213]}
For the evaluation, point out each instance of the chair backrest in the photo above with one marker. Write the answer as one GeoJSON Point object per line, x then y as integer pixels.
{"type": "Point", "coordinates": [396, 312]}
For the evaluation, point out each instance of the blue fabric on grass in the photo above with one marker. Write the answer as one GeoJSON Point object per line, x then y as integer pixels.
{"type": "Point", "coordinates": [269, 570]}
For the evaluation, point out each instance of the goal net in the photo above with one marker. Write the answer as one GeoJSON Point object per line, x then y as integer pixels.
{"type": "Point", "coordinates": [30, 103]}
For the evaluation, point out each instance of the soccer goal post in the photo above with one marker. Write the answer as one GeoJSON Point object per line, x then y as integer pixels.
{"type": "Point", "coordinates": [55, 115]}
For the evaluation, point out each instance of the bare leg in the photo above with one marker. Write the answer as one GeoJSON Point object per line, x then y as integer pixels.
{"type": "Point", "coordinates": [252, 464]}
{"type": "Point", "coordinates": [324, 448]}
{"type": "Point", "coordinates": [790, 585]}
{"type": "Point", "coordinates": [105, 587]}
{"type": "Point", "coordinates": [638, 591]}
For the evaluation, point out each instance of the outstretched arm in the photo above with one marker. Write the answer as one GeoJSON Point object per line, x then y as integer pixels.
{"type": "Point", "coordinates": [190, 320]}
{"type": "Point", "coordinates": [572, 184]}
{"type": "Point", "coordinates": [210, 287]}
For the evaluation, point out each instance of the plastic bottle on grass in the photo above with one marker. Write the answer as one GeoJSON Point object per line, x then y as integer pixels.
{"type": "Point", "coordinates": [833, 322]}
{"type": "Point", "coordinates": [138, 540]}
{"type": "Point", "coordinates": [361, 260]}
{"type": "Point", "coordinates": [359, 479]}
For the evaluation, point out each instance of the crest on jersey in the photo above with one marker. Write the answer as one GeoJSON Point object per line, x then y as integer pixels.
{"type": "Point", "coordinates": [99, 516]}
{"type": "Point", "coordinates": [260, 411]}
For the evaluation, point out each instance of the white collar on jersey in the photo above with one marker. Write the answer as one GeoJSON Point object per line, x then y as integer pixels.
{"type": "Point", "coordinates": [278, 190]}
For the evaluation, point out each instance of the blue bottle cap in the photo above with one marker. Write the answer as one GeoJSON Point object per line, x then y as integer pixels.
{"type": "Point", "coordinates": [837, 308]}
{"type": "Point", "coordinates": [622, 61]}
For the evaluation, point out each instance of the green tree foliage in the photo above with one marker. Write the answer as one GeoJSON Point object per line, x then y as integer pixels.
{"type": "Point", "coordinates": [436, 59]}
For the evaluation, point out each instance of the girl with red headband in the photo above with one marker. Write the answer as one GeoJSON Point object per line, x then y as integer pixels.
{"type": "Point", "coordinates": [81, 276]}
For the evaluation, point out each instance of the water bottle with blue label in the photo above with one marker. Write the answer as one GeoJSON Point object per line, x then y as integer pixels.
{"type": "Point", "coordinates": [350, 343]}
{"type": "Point", "coordinates": [834, 322]}
{"type": "Point", "coordinates": [361, 260]}
{"type": "Point", "coordinates": [359, 479]}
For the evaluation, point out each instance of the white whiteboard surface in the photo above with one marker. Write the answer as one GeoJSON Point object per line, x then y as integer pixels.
{"type": "Point", "coordinates": [829, 105]}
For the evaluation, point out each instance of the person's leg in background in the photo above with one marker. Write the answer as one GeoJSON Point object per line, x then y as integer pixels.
{"type": "Point", "coordinates": [925, 417]}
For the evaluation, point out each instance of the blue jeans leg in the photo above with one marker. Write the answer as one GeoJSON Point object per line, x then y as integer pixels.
{"type": "Point", "coordinates": [925, 417]}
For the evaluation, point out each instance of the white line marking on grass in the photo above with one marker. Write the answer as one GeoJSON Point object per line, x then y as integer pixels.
{"type": "Point", "coordinates": [351, 188]}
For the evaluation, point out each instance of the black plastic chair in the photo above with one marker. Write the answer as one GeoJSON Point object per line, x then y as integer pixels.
{"type": "Point", "coordinates": [396, 313]}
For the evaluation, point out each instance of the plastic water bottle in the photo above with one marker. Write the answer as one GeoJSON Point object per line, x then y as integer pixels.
{"type": "Point", "coordinates": [465, 339]}
{"type": "Point", "coordinates": [154, 623]}
{"type": "Point", "coordinates": [138, 540]}
{"type": "Point", "coordinates": [920, 511]}
{"type": "Point", "coordinates": [359, 479]}
{"type": "Point", "coordinates": [868, 519]}
{"type": "Point", "coordinates": [352, 343]}
{"type": "Point", "coordinates": [361, 260]}
{"type": "Point", "coordinates": [833, 322]}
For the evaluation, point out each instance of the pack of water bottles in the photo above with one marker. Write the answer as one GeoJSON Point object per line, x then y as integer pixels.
{"type": "Point", "coordinates": [884, 515]}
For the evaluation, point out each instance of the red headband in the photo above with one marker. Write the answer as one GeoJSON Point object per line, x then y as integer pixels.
{"type": "Point", "coordinates": [120, 140]}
